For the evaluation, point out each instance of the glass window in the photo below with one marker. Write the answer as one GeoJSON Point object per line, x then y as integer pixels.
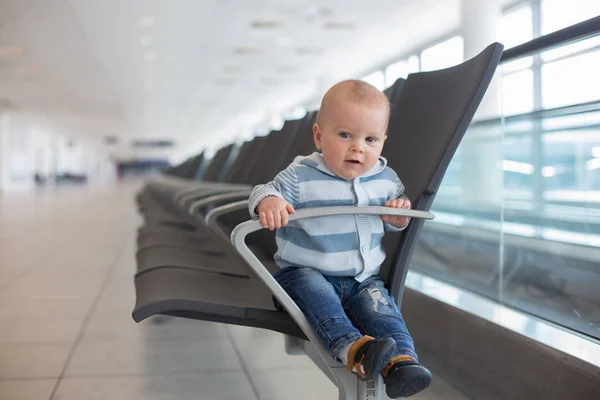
{"type": "Point", "coordinates": [516, 26]}
{"type": "Point", "coordinates": [518, 167]}
{"type": "Point", "coordinates": [517, 65]}
{"type": "Point", "coordinates": [376, 79]}
{"type": "Point", "coordinates": [413, 64]}
{"type": "Point", "coordinates": [401, 69]}
{"type": "Point", "coordinates": [572, 80]}
{"type": "Point", "coordinates": [576, 47]}
{"type": "Point", "coordinates": [295, 113]}
{"type": "Point", "coordinates": [517, 92]}
{"type": "Point", "coordinates": [573, 163]}
{"type": "Point", "coordinates": [558, 14]}
{"type": "Point", "coordinates": [518, 213]}
{"type": "Point", "coordinates": [443, 55]}
{"type": "Point", "coordinates": [533, 243]}
{"type": "Point", "coordinates": [394, 71]}
{"type": "Point", "coordinates": [277, 122]}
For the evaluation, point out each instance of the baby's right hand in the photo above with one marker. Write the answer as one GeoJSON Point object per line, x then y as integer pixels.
{"type": "Point", "coordinates": [273, 212]}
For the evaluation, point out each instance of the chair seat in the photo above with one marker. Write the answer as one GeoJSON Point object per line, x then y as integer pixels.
{"type": "Point", "coordinates": [203, 295]}
{"type": "Point", "coordinates": [199, 243]}
{"type": "Point", "coordinates": [186, 257]}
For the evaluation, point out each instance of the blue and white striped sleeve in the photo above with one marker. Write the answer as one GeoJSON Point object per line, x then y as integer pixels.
{"type": "Point", "coordinates": [284, 186]}
{"type": "Point", "coordinates": [399, 193]}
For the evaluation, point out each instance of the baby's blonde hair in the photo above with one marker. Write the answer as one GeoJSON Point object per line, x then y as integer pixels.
{"type": "Point", "coordinates": [352, 90]}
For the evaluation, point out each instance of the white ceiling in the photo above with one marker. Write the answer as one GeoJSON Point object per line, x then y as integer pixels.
{"type": "Point", "coordinates": [81, 64]}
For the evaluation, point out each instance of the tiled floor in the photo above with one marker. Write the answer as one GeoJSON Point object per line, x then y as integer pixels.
{"type": "Point", "coordinates": [66, 333]}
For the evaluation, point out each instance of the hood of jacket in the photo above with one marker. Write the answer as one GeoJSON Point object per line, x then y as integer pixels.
{"type": "Point", "coordinates": [316, 161]}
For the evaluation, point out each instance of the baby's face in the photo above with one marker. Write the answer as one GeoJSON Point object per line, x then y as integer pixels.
{"type": "Point", "coordinates": [351, 137]}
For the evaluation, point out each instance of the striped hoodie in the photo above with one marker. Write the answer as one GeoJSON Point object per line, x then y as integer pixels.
{"type": "Point", "coordinates": [340, 245]}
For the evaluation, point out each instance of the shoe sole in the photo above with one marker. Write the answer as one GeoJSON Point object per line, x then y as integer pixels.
{"type": "Point", "coordinates": [416, 379]}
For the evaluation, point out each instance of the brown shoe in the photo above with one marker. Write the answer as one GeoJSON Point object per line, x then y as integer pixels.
{"type": "Point", "coordinates": [368, 356]}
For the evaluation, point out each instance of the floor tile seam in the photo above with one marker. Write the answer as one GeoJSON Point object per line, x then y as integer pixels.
{"type": "Point", "coordinates": [105, 281]}
{"type": "Point", "coordinates": [36, 343]}
{"type": "Point", "coordinates": [26, 271]}
{"type": "Point", "coordinates": [279, 368]}
{"type": "Point", "coordinates": [33, 344]}
{"type": "Point", "coordinates": [167, 374]}
{"type": "Point", "coordinates": [28, 378]}
{"type": "Point", "coordinates": [129, 340]}
{"type": "Point", "coordinates": [243, 364]}
{"type": "Point", "coordinates": [30, 266]}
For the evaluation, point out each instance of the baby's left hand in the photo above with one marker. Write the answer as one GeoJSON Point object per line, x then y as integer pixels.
{"type": "Point", "coordinates": [397, 220]}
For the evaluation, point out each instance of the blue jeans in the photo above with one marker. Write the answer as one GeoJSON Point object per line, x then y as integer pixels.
{"type": "Point", "coordinates": [341, 309]}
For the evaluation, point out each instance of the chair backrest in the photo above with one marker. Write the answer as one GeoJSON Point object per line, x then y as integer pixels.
{"type": "Point", "coordinates": [217, 163]}
{"type": "Point", "coordinates": [185, 169]}
{"type": "Point", "coordinates": [271, 153]}
{"type": "Point", "coordinates": [202, 166]}
{"type": "Point", "coordinates": [255, 160]}
{"type": "Point", "coordinates": [428, 120]}
{"type": "Point", "coordinates": [393, 92]}
{"type": "Point", "coordinates": [177, 170]}
{"type": "Point", "coordinates": [304, 143]}
{"type": "Point", "coordinates": [259, 155]}
{"type": "Point", "coordinates": [278, 157]}
{"type": "Point", "coordinates": [244, 160]}
{"type": "Point", "coordinates": [194, 166]}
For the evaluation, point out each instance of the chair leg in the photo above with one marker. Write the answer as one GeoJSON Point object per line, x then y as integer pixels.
{"type": "Point", "coordinates": [293, 346]}
{"type": "Point", "coordinates": [352, 388]}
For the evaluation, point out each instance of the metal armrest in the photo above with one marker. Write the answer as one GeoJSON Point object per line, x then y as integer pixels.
{"type": "Point", "coordinates": [181, 196]}
{"type": "Point", "coordinates": [213, 216]}
{"type": "Point", "coordinates": [238, 237]}
{"type": "Point", "coordinates": [206, 201]}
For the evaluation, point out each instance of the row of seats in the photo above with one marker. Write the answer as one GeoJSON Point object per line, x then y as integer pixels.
{"type": "Point", "coordinates": [187, 265]}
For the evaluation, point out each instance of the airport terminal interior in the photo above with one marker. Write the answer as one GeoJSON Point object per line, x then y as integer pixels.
{"type": "Point", "coordinates": [131, 134]}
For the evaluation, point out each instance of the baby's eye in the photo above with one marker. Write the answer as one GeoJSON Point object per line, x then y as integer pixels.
{"type": "Point", "coordinates": [344, 135]}
{"type": "Point", "coordinates": [371, 139]}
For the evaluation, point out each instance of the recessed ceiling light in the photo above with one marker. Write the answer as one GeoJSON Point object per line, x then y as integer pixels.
{"type": "Point", "coordinates": [146, 41]}
{"type": "Point", "coordinates": [10, 51]}
{"type": "Point", "coordinates": [269, 82]}
{"type": "Point", "coordinates": [232, 68]}
{"type": "Point", "coordinates": [286, 69]}
{"type": "Point", "coordinates": [150, 56]}
{"type": "Point", "coordinates": [247, 50]}
{"type": "Point", "coordinates": [312, 10]}
{"type": "Point", "coordinates": [339, 25]}
{"type": "Point", "coordinates": [315, 12]}
{"type": "Point", "coordinates": [226, 81]}
{"type": "Point", "coordinates": [266, 24]}
{"type": "Point", "coordinates": [309, 50]}
{"type": "Point", "coordinates": [147, 21]}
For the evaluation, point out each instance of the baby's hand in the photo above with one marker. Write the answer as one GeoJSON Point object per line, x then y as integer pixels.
{"type": "Point", "coordinates": [397, 220]}
{"type": "Point", "coordinates": [273, 212]}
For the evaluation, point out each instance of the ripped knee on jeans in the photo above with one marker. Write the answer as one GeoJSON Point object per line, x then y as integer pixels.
{"type": "Point", "coordinates": [379, 302]}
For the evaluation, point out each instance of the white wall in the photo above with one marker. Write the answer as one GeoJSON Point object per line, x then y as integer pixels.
{"type": "Point", "coordinates": [16, 155]}
{"type": "Point", "coordinates": [28, 147]}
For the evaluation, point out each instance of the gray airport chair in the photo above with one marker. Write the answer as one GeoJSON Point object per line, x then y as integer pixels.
{"type": "Point", "coordinates": [428, 120]}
